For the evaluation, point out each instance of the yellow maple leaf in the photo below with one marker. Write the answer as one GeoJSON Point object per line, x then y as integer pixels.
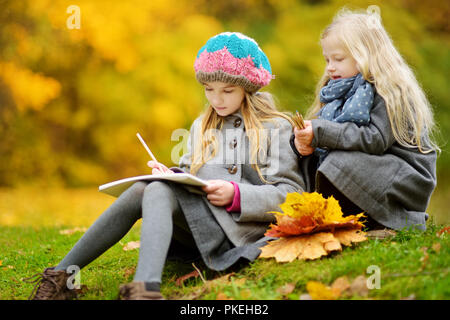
{"type": "Point", "coordinates": [319, 291]}
{"type": "Point", "coordinates": [310, 227]}
{"type": "Point", "coordinates": [310, 212]}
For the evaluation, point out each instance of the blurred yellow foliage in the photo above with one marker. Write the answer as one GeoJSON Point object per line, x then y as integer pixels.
{"type": "Point", "coordinates": [29, 90]}
{"type": "Point", "coordinates": [73, 99]}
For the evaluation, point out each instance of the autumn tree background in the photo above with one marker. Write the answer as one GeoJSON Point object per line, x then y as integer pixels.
{"type": "Point", "coordinates": [72, 100]}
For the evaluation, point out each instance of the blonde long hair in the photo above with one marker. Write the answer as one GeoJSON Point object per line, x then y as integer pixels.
{"type": "Point", "coordinates": [410, 113]}
{"type": "Point", "coordinates": [256, 108]}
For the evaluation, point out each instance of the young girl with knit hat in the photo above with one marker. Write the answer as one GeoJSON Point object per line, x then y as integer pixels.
{"type": "Point", "coordinates": [239, 145]}
{"type": "Point", "coordinates": [369, 142]}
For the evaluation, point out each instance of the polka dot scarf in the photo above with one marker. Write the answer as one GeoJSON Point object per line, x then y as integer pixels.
{"type": "Point", "coordinates": [346, 100]}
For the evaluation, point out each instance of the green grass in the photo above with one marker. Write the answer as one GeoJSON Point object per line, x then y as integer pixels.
{"type": "Point", "coordinates": [404, 273]}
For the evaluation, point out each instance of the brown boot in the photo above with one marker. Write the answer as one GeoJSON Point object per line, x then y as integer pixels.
{"type": "Point", "coordinates": [137, 291]}
{"type": "Point", "coordinates": [50, 285]}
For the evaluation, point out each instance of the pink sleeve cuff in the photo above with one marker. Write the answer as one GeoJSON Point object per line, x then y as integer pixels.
{"type": "Point", "coordinates": [235, 206]}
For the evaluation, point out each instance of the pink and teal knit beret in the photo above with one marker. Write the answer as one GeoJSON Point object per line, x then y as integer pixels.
{"type": "Point", "coordinates": [232, 57]}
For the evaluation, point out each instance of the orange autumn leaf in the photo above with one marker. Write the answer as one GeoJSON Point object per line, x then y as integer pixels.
{"type": "Point", "coordinates": [346, 237]}
{"type": "Point", "coordinates": [310, 212]}
{"type": "Point", "coordinates": [310, 227]}
{"type": "Point", "coordinates": [179, 281]}
{"type": "Point", "coordinates": [443, 231]}
{"type": "Point", "coordinates": [310, 246]}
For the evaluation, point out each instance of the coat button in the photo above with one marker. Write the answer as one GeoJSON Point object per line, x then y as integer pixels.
{"type": "Point", "coordinates": [232, 169]}
{"type": "Point", "coordinates": [237, 122]}
{"type": "Point", "coordinates": [233, 144]}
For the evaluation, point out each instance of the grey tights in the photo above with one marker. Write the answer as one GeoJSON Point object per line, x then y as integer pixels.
{"type": "Point", "coordinates": [157, 205]}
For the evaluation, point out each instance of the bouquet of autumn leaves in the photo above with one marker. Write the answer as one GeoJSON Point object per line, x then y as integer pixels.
{"type": "Point", "coordinates": [309, 227]}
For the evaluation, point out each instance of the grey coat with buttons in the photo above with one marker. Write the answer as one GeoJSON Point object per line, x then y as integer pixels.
{"type": "Point", "coordinates": [391, 183]}
{"type": "Point", "coordinates": [232, 164]}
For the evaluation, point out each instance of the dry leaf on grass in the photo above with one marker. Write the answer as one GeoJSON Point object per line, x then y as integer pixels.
{"type": "Point", "coordinates": [310, 227]}
{"type": "Point", "coordinates": [72, 231]}
{"type": "Point", "coordinates": [131, 245]}
{"type": "Point", "coordinates": [245, 294]}
{"type": "Point", "coordinates": [286, 289]}
{"type": "Point", "coordinates": [341, 284]}
{"type": "Point", "coordinates": [223, 280]}
{"type": "Point", "coordinates": [444, 230]}
{"type": "Point", "coordinates": [180, 280]}
{"type": "Point", "coordinates": [319, 291]}
{"type": "Point", "coordinates": [340, 287]}
{"type": "Point", "coordinates": [359, 287]}
{"type": "Point", "coordinates": [347, 237]}
{"type": "Point", "coordinates": [216, 284]}
{"type": "Point", "coordinates": [311, 246]}
{"type": "Point", "coordinates": [424, 258]}
{"type": "Point", "coordinates": [436, 247]}
{"type": "Point", "coordinates": [5, 268]}
{"type": "Point", "coordinates": [128, 272]}
{"type": "Point", "coordinates": [223, 296]}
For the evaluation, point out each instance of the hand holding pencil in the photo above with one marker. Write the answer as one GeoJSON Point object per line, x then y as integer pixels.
{"type": "Point", "coordinates": [157, 168]}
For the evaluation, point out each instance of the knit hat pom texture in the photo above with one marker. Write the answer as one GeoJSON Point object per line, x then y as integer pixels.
{"type": "Point", "coordinates": [232, 57]}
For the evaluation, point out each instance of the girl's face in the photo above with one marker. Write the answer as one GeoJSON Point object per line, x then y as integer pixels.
{"type": "Point", "coordinates": [225, 98]}
{"type": "Point", "coordinates": [340, 64]}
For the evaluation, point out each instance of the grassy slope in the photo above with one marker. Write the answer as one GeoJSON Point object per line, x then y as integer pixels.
{"type": "Point", "coordinates": [25, 251]}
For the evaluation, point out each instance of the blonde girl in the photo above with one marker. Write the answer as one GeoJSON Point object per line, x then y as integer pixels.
{"type": "Point", "coordinates": [229, 147]}
{"type": "Point", "coordinates": [387, 165]}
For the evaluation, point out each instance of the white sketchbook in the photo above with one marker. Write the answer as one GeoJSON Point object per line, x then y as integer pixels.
{"type": "Point", "coordinates": [192, 183]}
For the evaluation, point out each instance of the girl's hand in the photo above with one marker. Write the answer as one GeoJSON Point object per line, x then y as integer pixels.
{"type": "Point", "coordinates": [303, 139]}
{"type": "Point", "coordinates": [219, 192]}
{"type": "Point", "coordinates": [159, 168]}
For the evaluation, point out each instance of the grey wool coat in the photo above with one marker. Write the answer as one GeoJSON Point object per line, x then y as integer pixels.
{"type": "Point", "coordinates": [257, 198]}
{"type": "Point", "coordinates": [391, 183]}
{"type": "Point", "coordinates": [222, 237]}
